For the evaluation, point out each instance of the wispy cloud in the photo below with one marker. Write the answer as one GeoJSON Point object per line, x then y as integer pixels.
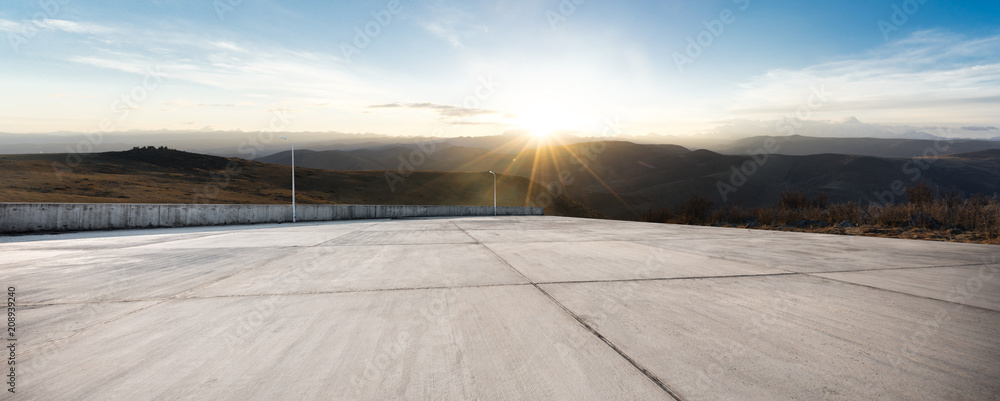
{"type": "Point", "coordinates": [928, 70]}
{"type": "Point", "coordinates": [452, 24]}
{"type": "Point", "coordinates": [445, 111]}
{"type": "Point", "coordinates": [9, 26]}
{"type": "Point", "coordinates": [71, 96]}
{"type": "Point", "coordinates": [980, 128]}
{"type": "Point", "coordinates": [187, 103]}
{"type": "Point", "coordinates": [234, 67]}
{"type": "Point", "coordinates": [54, 25]}
{"type": "Point", "coordinates": [229, 46]}
{"type": "Point", "coordinates": [444, 33]}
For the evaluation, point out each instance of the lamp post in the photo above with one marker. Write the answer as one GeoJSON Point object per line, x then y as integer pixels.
{"type": "Point", "coordinates": [293, 177]}
{"type": "Point", "coordinates": [494, 192]}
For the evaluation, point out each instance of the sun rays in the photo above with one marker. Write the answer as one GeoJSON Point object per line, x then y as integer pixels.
{"type": "Point", "coordinates": [553, 167]}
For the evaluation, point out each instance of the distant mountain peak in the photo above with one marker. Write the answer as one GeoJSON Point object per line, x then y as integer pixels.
{"type": "Point", "coordinates": [850, 120]}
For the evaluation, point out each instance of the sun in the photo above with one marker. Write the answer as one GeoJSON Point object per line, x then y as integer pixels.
{"type": "Point", "coordinates": [543, 121]}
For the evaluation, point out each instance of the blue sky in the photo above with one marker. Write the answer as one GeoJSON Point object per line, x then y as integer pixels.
{"type": "Point", "coordinates": [485, 67]}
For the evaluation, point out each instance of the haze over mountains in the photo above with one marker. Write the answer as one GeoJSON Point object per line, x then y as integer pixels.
{"type": "Point", "coordinates": [621, 176]}
{"type": "Point", "coordinates": [623, 179]}
{"type": "Point", "coordinates": [727, 138]}
{"type": "Point", "coordinates": [617, 179]}
{"type": "Point", "coordinates": [159, 175]}
{"type": "Point", "coordinates": [879, 147]}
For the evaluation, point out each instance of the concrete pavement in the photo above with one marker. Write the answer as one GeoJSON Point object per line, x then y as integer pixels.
{"type": "Point", "coordinates": [501, 308]}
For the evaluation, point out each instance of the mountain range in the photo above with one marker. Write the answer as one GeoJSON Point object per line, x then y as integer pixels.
{"type": "Point", "coordinates": [726, 139]}
{"type": "Point", "coordinates": [616, 179]}
{"type": "Point", "coordinates": [161, 175]}
{"type": "Point", "coordinates": [623, 179]}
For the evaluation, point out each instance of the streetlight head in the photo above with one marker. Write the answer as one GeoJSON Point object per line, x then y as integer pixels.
{"type": "Point", "coordinates": [284, 138]}
{"type": "Point", "coordinates": [491, 172]}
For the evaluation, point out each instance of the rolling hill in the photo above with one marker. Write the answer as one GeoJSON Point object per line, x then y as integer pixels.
{"type": "Point", "coordinates": [616, 179]}
{"type": "Point", "coordinates": [626, 179]}
{"type": "Point", "coordinates": [148, 175]}
{"type": "Point", "coordinates": [623, 179]}
{"type": "Point", "coordinates": [442, 158]}
{"type": "Point", "coordinates": [797, 145]}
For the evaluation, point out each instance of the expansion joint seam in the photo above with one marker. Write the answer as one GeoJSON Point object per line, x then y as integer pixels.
{"type": "Point", "coordinates": [649, 375]}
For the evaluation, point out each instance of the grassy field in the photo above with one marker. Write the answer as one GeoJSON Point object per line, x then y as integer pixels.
{"type": "Point", "coordinates": [159, 175]}
{"type": "Point", "coordinates": [624, 179]}
{"type": "Point", "coordinates": [923, 216]}
{"type": "Point", "coordinates": [150, 175]}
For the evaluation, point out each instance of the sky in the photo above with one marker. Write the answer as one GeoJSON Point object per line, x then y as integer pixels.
{"type": "Point", "coordinates": [471, 68]}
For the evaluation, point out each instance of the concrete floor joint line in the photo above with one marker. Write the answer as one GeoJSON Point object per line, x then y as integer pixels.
{"type": "Point", "coordinates": [636, 365]}
{"type": "Point", "coordinates": [903, 293]}
{"type": "Point", "coordinates": [160, 302]}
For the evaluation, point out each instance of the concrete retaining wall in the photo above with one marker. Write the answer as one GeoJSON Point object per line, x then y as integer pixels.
{"type": "Point", "coordinates": [55, 217]}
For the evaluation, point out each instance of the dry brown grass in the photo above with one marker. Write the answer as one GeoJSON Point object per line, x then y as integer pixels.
{"type": "Point", "coordinates": [168, 176]}
{"type": "Point", "coordinates": [951, 218]}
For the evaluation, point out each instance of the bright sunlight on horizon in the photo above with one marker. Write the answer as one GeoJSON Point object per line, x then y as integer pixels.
{"type": "Point", "coordinates": [719, 68]}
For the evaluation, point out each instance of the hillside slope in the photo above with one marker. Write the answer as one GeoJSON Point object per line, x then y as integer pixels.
{"type": "Point", "coordinates": [624, 179]}
{"type": "Point", "coordinates": [797, 145]}
{"type": "Point", "coordinates": [168, 176]}
{"type": "Point", "coordinates": [440, 157]}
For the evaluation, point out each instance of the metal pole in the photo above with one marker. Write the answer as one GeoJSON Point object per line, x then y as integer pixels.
{"type": "Point", "coordinates": [494, 192]}
{"type": "Point", "coordinates": [293, 176]}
